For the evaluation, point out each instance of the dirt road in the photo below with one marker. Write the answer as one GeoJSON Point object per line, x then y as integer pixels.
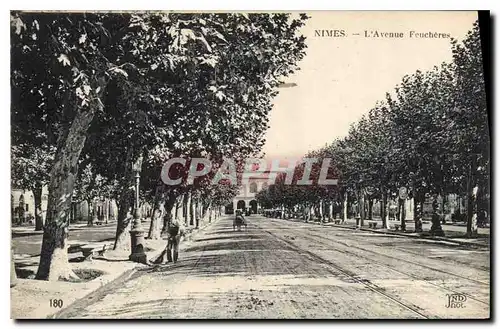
{"type": "Point", "coordinates": [284, 269]}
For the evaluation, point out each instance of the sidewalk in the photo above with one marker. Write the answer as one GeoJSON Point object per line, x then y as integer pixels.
{"type": "Point", "coordinates": [453, 233]}
{"type": "Point", "coordinates": [30, 299]}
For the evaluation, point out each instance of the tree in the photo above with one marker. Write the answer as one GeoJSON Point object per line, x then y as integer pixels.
{"type": "Point", "coordinates": [471, 123]}
{"type": "Point", "coordinates": [216, 92]}
{"type": "Point", "coordinates": [73, 61]}
{"type": "Point", "coordinates": [69, 58]}
{"type": "Point", "coordinates": [419, 137]}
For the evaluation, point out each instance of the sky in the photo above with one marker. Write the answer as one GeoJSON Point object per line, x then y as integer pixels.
{"type": "Point", "coordinates": [342, 78]}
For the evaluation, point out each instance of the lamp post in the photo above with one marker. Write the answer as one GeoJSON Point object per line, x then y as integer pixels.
{"type": "Point", "coordinates": [137, 233]}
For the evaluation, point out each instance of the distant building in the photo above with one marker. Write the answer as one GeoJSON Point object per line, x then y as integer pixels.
{"type": "Point", "coordinates": [246, 198]}
{"type": "Point", "coordinates": [23, 207]}
{"type": "Point", "coordinates": [22, 204]}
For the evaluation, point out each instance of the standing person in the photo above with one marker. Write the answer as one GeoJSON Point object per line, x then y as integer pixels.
{"type": "Point", "coordinates": [175, 232]}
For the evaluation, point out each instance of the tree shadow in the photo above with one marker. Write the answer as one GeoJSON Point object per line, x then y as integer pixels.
{"type": "Point", "coordinates": [25, 234]}
{"type": "Point", "coordinates": [228, 237]}
{"type": "Point", "coordinates": [228, 231]}
{"type": "Point", "coordinates": [23, 273]}
{"type": "Point", "coordinates": [239, 256]}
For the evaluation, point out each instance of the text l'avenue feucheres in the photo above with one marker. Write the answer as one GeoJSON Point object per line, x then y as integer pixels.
{"type": "Point", "coordinates": [378, 34]}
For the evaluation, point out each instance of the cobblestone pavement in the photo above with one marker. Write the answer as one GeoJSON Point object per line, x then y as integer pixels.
{"type": "Point", "coordinates": [283, 269]}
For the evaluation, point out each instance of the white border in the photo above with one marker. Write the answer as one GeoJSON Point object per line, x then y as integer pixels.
{"type": "Point", "coordinates": [253, 5]}
{"type": "Point", "coordinates": [227, 5]}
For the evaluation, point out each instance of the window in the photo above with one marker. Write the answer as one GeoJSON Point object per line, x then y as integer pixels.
{"type": "Point", "coordinates": [27, 207]}
{"type": "Point", "coordinates": [253, 188]}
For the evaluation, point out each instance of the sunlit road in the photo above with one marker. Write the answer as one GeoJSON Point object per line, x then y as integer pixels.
{"type": "Point", "coordinates": [284, 269]}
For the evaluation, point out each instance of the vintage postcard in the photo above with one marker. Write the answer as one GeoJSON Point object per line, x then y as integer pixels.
{"type": "Point", "coordinates": [250, 165]}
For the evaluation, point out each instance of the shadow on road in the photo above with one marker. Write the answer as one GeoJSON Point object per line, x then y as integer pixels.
{"type": "Point", "coordinates": [239, 255]}
{"type": "Point", "coordinates": [228, 237]}
{"type": "Point", "coordinates": [25, 234]}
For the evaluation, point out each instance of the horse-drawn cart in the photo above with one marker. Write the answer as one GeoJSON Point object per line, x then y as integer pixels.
{"type": "Point", "coordinates": [239, 221]}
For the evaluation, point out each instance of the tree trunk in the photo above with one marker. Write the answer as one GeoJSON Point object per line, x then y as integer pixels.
{"type": "Point", "coordinates": [197, 213]}
{"type": "Point", "coordinates": [111, 209]}
{"type": "Point", "coordinates": [470, 197]}
{"type": "Point", "coordinates": [361, 199]}
{"type": "Point", "coordinates": [185, 207]}
{"type": "Point", "coordinates": [402, 213]}
{"type": "Point", "coordinates": [169, 205]}
{"type": "Point", "coordinates": [106, 210]}
{"type": "Point", "coordinates": [54, 254]}
{"type": "Point", "coordinates": [418, 210]}
{"type": "Point", "coordinates": [126, 205]}
{"type": "Point", "coordinates": [95, 212]}
{"type": "Point", "coordinates": [208, 212]}
{"type": "Point", "coordinates": [123, 226]}
{"type": "Point", "coordinates": [321, 210]}
{"type": "Point", "coordinates": [370, 208]}
{"type": "Point", "coordinates": [89, 212]}
{"type": "Point", "coordinates": [37, 195]}
{"type": "Point", "coordinates": [443, 207]}
{"type": "Point", "coordinates": [191, 209]}
{"type": "Point", "coordinates": [178, 208]}
{"type": "Point", "coordinates": [459, 201]}
{"type": "Point", "coordinates": [436, 228]}
{"type": "Point", "coordinates": [383, 208]}
{"type": "Point", "coordinates": [204, 210]}
{"type": "Point", "coordinates": [345, 207]}
{"type": "Point", "coordinates": [158, 214]}
{"type": "Point", "coordinates": [21, 210]}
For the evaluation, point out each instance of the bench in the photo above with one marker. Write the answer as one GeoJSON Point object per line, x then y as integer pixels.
{"type": "Point", "coordinates": [99, 222]}
{"type": "Point", "coordinates": [372, 224]}
{"type": "Point", "coordinates": [92, 250]}
{"type": "Point", "coordinates": [337, 221]}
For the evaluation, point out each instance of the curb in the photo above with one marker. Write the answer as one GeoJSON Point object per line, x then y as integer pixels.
{"type": "Point", "coordinates": [470, 243]}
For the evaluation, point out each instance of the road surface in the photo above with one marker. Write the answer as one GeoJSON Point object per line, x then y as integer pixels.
{"type": "Point", "coordinates": [284, 269]}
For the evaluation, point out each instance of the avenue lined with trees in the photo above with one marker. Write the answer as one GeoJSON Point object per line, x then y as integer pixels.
{"type": "Point", "coordinates": [146, 181]}
{"type": "Point", "coordinates": [430, 136]}
{"type": "Point", "coordinates": [99, 99]}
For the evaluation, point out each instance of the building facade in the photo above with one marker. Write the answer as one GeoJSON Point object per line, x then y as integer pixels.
{"type": "Point", "coordinates": [245, 200]}
{"type": "Point", "coordinates": [22, 204]}
{"type": "Point", "coordinates": [260, 181]}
